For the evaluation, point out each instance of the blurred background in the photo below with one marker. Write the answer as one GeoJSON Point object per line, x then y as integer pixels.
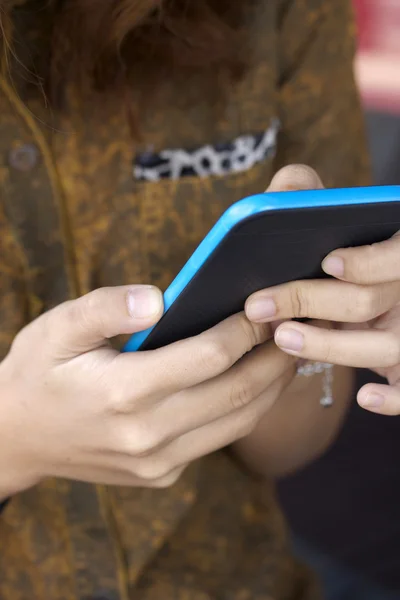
{"type": "Point", "coordinates": [378, 73]}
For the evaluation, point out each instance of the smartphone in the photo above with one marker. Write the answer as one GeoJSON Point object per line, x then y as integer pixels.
{"type": "Point", "coordinates": [263, 241]}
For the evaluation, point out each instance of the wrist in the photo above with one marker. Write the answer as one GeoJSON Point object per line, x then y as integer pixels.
{"type": "Point", "coordinates": [16, 470]}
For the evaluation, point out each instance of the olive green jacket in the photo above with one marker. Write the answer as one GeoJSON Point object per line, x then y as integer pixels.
{"type": "Point", "coordinates": [75, 215]}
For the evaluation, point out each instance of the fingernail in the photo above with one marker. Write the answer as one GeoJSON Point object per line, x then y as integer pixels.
{"type": "Point", "coordinates": [260, 309]}
{"type": "Point", "coordinates": [144, 302]}
{"type": "Point", "coordinates": [290, 340]}
{"type": "Point", "coordinates": [334, 265]}
{"type": "Point", "coordinates": [372, 401]}
{"type": "Point", "coordinates": [295, 177]}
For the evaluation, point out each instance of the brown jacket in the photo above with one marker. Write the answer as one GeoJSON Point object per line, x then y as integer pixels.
{"type": "Point", "coordinates": [74, 218]}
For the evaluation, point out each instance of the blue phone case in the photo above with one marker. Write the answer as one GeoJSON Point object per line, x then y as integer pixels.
{"type": "Point", "coordinates": [352, 208]}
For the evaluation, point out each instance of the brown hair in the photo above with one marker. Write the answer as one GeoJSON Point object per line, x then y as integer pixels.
{"type": "Point", "coordinates": [105, 43]}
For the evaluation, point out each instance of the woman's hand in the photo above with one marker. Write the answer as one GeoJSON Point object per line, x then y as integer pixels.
{"type": "Point", "coordinates": [365, 307]}
{"type": "Point", "coordinates": [73, 407]}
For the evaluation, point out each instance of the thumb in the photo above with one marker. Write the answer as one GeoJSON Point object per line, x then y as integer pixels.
{"type": "Point", "coordinates": [294, 178]}
{"type": "Point", "coordinates": [84, 324]}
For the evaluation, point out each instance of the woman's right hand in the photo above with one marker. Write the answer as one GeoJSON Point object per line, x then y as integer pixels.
{"type": "Point", "coordinates": [73, 407]}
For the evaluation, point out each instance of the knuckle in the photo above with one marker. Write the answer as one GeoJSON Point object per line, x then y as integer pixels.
{"type": "Point", "coordinates": [87, 308]}
{"type": "Point", "coordinates": [219, 355]}
{"type": "Point", "coordinates": [144, 442]}
{"type": "Point", "coordinates": [299, 301]}
{"type": "Point", "coordinates": [241, 393]}
{"type": "Point", "coordinates": [253, 334]}
{"type": "Point", "coordinates": [130, 390]}
{"type": "Point", "coordinates": [88, 311]}
{"type": "Point", "coordinates": [140, 440]}
{"type": "Point", "coordinates": [118, 402]}
{"type": "Point", "coordinates": [152, 471]}
{"type": "Point", "coordinates": [51, 325]}
{"type": "Point", "coordinates": [168, 480]}
{"type": "Point", "coordinates": [215, 355]}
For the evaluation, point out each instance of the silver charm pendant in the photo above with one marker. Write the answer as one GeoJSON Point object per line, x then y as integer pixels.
{"type": "Point", "coordinates": [309, 368]}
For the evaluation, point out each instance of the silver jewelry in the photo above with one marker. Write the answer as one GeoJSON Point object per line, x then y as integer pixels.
{"type": "Point", "coordinates": [313, 368]}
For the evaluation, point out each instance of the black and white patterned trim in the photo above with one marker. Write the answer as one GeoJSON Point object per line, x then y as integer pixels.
{"type": "Point", "coordinates": [241, 154]}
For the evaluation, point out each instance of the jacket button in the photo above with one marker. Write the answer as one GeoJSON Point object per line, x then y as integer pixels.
{"type": "Point", "coordinates": [24, 158]}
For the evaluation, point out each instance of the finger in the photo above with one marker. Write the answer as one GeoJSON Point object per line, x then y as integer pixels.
{"type": "Point", "coordinates": [323, 299]}
{"type": "Point", "coordinates": [295, 177]}
{"type": "Point", "coordinates": [381, 399]}
{"type": "Point", "coordinates": [194, 360]}
{"type": "Point", "coordinates": [364, 349]}
{"type": "Point", "coordinates": [228, 393]}
{"type": "Point", "coordinates": [195, 408]}
{"type": "Point", "coordinates": [378, 263]}
{"type": "Point", "coordinates": [224, 431]}
{"type": "Point", "coordinates": [83, 324]}
{"type": "Point", "coordinates": [123, 472]}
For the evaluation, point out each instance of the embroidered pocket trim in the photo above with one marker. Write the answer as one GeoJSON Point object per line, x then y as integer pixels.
{"type": "Point", "coordinates": [241, 154]}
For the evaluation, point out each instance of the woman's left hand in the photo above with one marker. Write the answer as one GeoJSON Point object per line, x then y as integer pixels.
{"type": "Point", "coordinates": [364, 303]}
